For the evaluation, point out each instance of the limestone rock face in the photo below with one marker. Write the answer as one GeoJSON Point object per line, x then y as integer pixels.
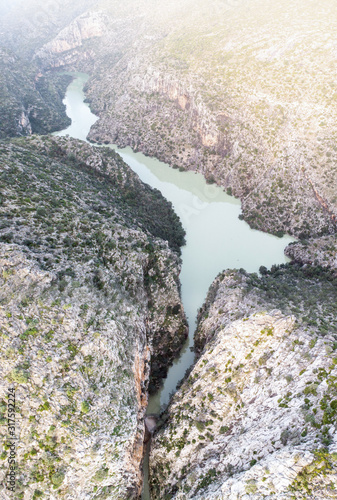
{"type": "Point", "coordinates": [86, 26]}
{"type": "Point", "coordinates": [24, 124]}
{"type": "Point", "coordinates": [30, 101]}
{"type": "Point", "coordinates": [86, 290]}
{"type": "Point", "coordinates": [256, 416]}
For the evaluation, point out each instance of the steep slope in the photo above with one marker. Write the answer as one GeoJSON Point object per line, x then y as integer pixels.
{"type": "Point", "coordinates": [30, 101]}
{"type": "Point", "coordinates": [25, 26]}
{"type": "Point", "coordinates": [30, 98]}
{"type": "Point", "coordinates": [88, 287]}
{"type": "Point", "coordinates": [256, 418]}
{"type": "Point", "coordinates": [316, 251]}
{"type": "Point", "coordinates": [243, 93]}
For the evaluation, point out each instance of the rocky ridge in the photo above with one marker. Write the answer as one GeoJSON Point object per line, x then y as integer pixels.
{"type": "Point", "coordinates": [315, 251]}
{"type": "Point", "coordinates": [87, 290]}
{"type": "Point", "coordinates": [30, 101]}
{"type": "Point", "coordinates": [26, 26]}
{"type": "Point", "coordinates": [256, 416]}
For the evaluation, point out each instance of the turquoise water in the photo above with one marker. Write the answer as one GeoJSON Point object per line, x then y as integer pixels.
{"type": "Point", "coordinates": [216, 239]}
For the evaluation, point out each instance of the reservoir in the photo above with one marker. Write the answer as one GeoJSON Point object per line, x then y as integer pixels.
{"type": "Point", "coordinates": [216, 239]}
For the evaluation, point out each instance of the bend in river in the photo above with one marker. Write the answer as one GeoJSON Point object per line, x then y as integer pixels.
{"type": "Point", "coordinates": [216, 239]}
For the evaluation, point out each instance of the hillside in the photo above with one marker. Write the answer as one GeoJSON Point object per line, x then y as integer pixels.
{"type": "Point", "coordinates": [246, 98]}
{"type": "Point", "coordinates": [30, 102]}
{"type": "Point", "coordinates": [256, 416]}
{"type": "Point", "coordinates": [89, 306]}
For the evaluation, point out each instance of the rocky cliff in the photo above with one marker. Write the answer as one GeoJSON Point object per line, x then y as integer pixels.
{"type": "Point", "coordinates": [256, 417]}
{"type": "Point", "coordinates": [89, 285]}
{"type": "Point", "coordinates": [30, 100]}
{"type": "Point", "coordinates": [63, 48]}
{"type": "Point", "coordinates": [26, 26]}
{"type": "Point", "coordinates": [315, 251]}
{"type": "Point", "coordinates": [250, 108]}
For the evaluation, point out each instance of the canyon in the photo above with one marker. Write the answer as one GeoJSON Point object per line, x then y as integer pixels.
{"type": "Point", "coordinates": [246, 96]}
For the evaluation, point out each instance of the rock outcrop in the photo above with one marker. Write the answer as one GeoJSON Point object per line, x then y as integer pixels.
{"type": "Point", "coordinates": [256, 417]}
{"type": "Point", "coordinates": [315, 251]}
{"type": "Point", "coordinates": [85, 27]}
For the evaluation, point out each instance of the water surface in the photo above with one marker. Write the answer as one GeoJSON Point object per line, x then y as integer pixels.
{"type": "Point", "coordinates": [82, 119]}
{"type": "Point", "coordinates": [216, 239]}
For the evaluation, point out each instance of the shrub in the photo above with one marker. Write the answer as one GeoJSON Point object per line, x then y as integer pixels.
{"type": "Point", "coordinates": [251, 487]}
{"type": "Point", "coordinates": [37, 494]}
{"type": "Point", "coordinates": [224, 429]}
{"type": "Point", "coordinates": [199, 425]}
{"type": "Point", "coordinates": [57, 479]}
{"type": "Point", "coordinates": [101, 474]}
{"type": "Point", "coordinates": [41, 211]}
{"type": "Point", "coordinates": [19, 375]}
{"type": "Point", "coordinates": [85, 407]}
{"type": "Point", "coordinates": [311, 389]}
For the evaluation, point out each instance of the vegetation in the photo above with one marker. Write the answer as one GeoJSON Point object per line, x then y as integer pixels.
{"type": "Point", "coordinates": [86, 283]}
{"type": "Point", "coordinates": [30, 102]}
{"type": "Point", "coordinates": [36, 190]}
{"type": "Point", "coordinates": [307, 292]}
{"type": "Point", "coordinates": [320, 473]}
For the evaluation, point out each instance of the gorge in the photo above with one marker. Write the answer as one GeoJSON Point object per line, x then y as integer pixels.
{"type": "Point", "coordinates": [122, 230]}
{"type": "Point", "coordinates": [215, 237]}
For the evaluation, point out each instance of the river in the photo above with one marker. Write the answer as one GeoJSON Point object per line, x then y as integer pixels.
{"type": "Point", "coordinates": [216, 239]}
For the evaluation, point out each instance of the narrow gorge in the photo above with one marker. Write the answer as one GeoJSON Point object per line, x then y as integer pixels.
{"type": "Point", "coordinates": [210, 220]}
{"type": "Point", "coordinates": [168, 249]}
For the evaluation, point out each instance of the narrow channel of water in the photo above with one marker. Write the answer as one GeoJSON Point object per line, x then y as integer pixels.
{"type": "Point", "coordinates": [216, 239]}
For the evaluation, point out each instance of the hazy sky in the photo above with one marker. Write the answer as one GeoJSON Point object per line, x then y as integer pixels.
{"type": "Point", "coordinates": [7, 5]}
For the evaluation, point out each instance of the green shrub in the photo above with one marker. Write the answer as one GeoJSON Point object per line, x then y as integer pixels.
{"type": "Point", "coordinates": [57, 479]}
{"type": "Point", "coordinates": [209, 477]}
{"type": "Point", "coordinates": [37, 494]}
{"type": "Point", "coordinates": [85, 407]}
{"type": "Point", "coordinates": [101, 474]}
{"type": "Point", "coordinates": [19, 375]}
{"type": "Point", "coordinates": [30, 331]}
{"type": "Point", "coordinates": [199, 425]}
{"type": "Point", "coordinates": [251, 487]}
